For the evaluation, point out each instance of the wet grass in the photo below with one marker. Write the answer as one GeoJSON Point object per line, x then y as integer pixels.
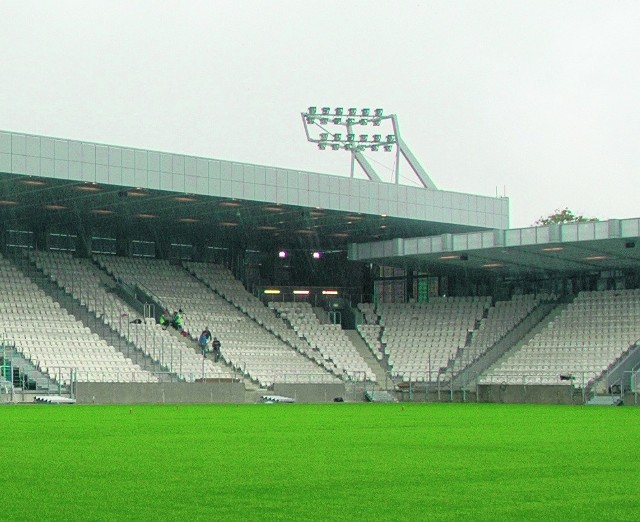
{"type": "Point", "coordinates": [320, 462]}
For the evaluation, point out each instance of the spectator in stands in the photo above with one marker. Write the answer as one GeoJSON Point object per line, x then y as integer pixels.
{"type": "Point", "coordinates": [215, 345]}
{"type": "Point", "coordinates": [204, 339]}
{"type": "Point", "coordinates": [164, 319]}
{"type": "Point", "coordinates": [178, 322]}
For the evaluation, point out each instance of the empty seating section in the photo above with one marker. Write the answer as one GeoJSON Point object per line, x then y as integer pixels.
{"type": "Point", "coordinates": [86, 282]}
{"type": "Point", "coordinates": [421, 338]}
{"type": "Point", "coordinates": [501, 318]}
{"type": "Point", "coordinates": [53, 340]}
{"type": "Point", "coordinates": [581, 342]}
{"type": "Point", "coordinates": [246, 345]}
{"type": "Point", "coordinates": [329, 339]}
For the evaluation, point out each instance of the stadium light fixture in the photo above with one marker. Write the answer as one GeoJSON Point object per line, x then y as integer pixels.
{"type": "Point", "coordinates": [330, 130]}
{"type": "Point", "coordinates": [282, 254]}
{"type": "Point", "coordinates": [316, 255]}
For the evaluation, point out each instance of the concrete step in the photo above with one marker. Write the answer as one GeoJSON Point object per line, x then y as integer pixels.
{"type": "Point", "coordinates": [605, 400]}
{"type": "Point", "coordinates": [380, 396]}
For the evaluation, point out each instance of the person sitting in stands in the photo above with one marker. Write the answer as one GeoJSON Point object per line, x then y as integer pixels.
{"type": "Point", "coordinates": [178, 321]}
{"type": "Point", "coordinates": [215, 345]}
{"type": "Point", "coordinates": [164, 319]}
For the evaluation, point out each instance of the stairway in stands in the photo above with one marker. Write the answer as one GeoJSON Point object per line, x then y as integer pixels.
{"type": "Point", "coordinates": [368, 357]}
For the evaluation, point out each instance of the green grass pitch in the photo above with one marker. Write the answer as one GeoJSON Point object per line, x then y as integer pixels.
{"type": "Point", "coordinates": [320, 462]}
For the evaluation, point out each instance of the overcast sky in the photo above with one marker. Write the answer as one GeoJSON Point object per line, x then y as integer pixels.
{"type": "Point", "coordinates": [538, 99]}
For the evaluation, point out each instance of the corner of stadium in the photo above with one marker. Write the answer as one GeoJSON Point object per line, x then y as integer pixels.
{"type": "Point", "coordinates": [320, 288]}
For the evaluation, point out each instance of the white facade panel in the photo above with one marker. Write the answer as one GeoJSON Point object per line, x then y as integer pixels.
{"type": "Point", "coordinates": [5, 144]}
{"type": "Point", "coordinates": [33, 146]}
{"type": "Point", "coordinates": [18, 164]}
{"type": "Point", "coordinates": [19, 144]}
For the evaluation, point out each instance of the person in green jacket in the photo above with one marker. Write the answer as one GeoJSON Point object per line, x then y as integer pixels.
{"type": "Point", "coordinates": [164, 319]}
{"type": "Point", "coordinates": [178, 321]}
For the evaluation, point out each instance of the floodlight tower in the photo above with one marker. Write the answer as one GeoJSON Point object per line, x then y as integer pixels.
{"type": "Point", "coordinates": [318, 127]}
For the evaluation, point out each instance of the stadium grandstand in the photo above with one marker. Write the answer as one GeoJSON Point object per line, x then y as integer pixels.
{"type": "Point", "coordinates": [318, 287]}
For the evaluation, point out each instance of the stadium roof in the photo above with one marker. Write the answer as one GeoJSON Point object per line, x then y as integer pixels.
{"type": "Point", "coordinates": [46, 181]}
{"type": "Point", "coordinates": [571, 247]}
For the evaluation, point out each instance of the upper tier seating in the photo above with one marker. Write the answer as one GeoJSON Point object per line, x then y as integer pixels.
{"type": "Point", "coordinates": [246, 345]}
{"type": "Point", "coordinates": [54, 341]}
{"type": "Point", "coordinates": [583, 341]}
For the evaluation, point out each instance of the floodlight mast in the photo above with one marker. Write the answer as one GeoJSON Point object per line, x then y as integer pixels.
{"type": "Point", "coordinates": [336, 141]}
